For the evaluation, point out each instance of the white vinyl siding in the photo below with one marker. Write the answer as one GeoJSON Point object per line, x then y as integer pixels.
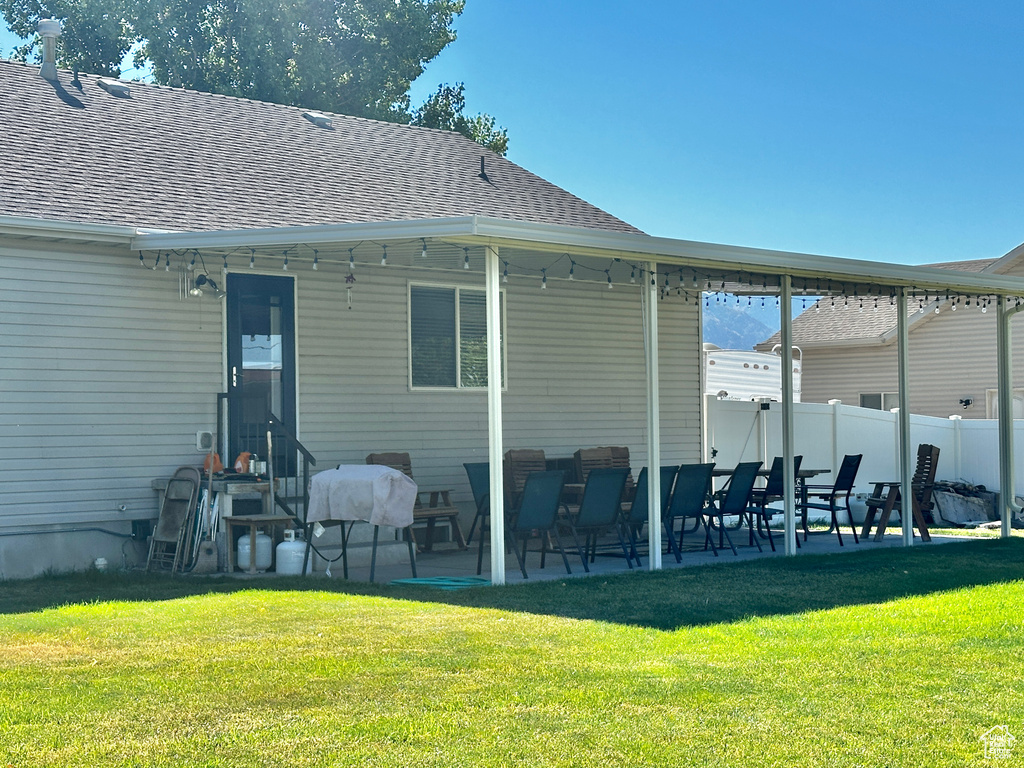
{"type": "Point", "coordinates": [105, 377]}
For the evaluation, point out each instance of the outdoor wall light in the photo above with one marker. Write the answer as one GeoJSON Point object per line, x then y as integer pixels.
{"type": "Point", "coordinates": [206, 280]}
{"type": "Point", "coordinates": [966, 402]}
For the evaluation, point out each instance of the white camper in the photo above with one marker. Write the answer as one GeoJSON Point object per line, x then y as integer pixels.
{"type": "Point", "coordinates": [737, 374]}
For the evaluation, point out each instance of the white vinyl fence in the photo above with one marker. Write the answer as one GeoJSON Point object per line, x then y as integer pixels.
{"type": "Point", "coordinates": [750, 431]}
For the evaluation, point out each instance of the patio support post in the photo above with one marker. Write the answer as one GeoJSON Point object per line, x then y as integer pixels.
{"type": "Point", "coordinates": [1004, 356]}
{"type": "Point", "coordinates": [903, 417]}
{"type": "Point", "coordinates": [494, 436]}
{"type": "Point", "coordinates": [788, 480]}
{"type": "Point", "coordinates": [653, 423]}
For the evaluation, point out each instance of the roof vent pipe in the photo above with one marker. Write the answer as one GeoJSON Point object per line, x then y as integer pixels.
{"type": "Point", "coordinates": [49, 30]}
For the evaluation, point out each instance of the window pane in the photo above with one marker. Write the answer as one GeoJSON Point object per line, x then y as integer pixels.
{"type": "Point", "coordinates": [432, 312]}
{"type": "Point", "coordinates": [871, 401]}
{"type": "Point", "coordinates": [890, 400]}
{"type": "Point", "coordinates": [473, 338]}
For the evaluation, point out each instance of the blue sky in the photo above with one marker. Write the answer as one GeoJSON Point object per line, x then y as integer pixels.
{"type": "Point", "coordinates": [875, 130]}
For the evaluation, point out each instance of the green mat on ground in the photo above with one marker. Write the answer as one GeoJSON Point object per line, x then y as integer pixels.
{"type": "Point", "coordinates": [445, 582]}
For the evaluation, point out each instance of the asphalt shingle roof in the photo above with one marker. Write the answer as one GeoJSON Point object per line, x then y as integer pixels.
{"type": "Point", "coordinates": [840, 320]}
{"type": "Point", "coordinates": [169, 158]}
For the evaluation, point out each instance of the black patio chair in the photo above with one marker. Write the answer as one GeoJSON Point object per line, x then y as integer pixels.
{"type": "Point", "coordinates": [637, 516]}
{"type": "Point", "coordinates": [690, 500]}
{"type": "Point", "coordinates": [831, 495]}
{"type": "Point", "coordinates": [599, 511]}
{"type": "Point", "coordinates": [773, 491]}
{"type": "Point", "coordinates": [537, 514]}
{"type": "Point", "coordinates": [479, 474]}
{"type": "Point", "coordinates": [732, 501]}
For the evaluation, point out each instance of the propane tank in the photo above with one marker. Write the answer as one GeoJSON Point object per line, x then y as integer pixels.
{"type": "Point", "coordinates": [290, 554]}
{"type": "Point", "coordinates": [264, 552]}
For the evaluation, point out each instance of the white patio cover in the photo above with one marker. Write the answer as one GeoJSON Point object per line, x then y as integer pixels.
{"type": "Point", "coordinates": [378, 495]}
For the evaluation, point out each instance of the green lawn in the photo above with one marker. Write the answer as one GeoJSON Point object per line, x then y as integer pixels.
{"type": "Point", "coordinates": [870, 658]}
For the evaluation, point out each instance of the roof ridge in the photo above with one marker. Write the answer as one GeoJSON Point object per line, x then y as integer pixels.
{"type": "Point", "coordinates": [245, 100]}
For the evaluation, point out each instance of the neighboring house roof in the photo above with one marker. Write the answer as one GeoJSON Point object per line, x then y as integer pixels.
{"type": "Point", "coordinates": [167, 158]}
{"type": "Point", "coordinates": [838, 321]}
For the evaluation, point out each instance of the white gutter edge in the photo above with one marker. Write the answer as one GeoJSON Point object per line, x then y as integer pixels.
{"type": "Point", "coordinates": [500, 232]}
{"type": "Point", "coordinates": [20, 226]}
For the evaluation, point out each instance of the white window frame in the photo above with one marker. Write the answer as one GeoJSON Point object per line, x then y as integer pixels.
{"type": "Point", "coordinates": [894, 400]}
{"type": "Point", "coordinates": [992, 402]}
{"type": "Point", "coordinates": [458, 346]}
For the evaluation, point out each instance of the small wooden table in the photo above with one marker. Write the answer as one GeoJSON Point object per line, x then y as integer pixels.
{"type": "Point", "coordinates": [253, 523]}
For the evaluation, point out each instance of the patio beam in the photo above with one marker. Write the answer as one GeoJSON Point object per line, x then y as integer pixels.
{"type": "Point", "coordinates": [788, 480]}
{"type": "Point", "coordinates": [653, 423]}
{"type": "Point", "coordinates": [551, 238]}
{"type": "Point", "coordinates": [903, 418]}
{"type": "Point", "coordinates": [495, 449]}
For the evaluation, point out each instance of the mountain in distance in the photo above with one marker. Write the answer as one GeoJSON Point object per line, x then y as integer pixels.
{"type": "Point", "coordinates": [740, 326]}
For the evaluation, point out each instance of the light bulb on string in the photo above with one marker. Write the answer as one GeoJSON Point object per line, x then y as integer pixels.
{"type": "Point", "coordinates": [252, 258]}
{"type": "Point", "coordinates": [192, 264]}
{"type": "Point", "coordinates": [544, 280]}
{"type": "Point", "coordinates": [384, 256]}
{"type": "Point", "coordinates": [632, 274]}
{"type": "Point", "coordinates": [465, 262]}
{"type": "Point", "coordinates": [284, 266]}
{"type": "Point", "coordinates": [316, 259]}
{"type": "Point", "coordinates": [224, 268]}
{"type": "Point", "coordinates": [167, 262]}
{"type": "Point", "coordinates": [572, 269]}
{"type": "Point", "coordinates": [142, 261]}
{"type": "Point", "coordinates": [608, 272]}
{"type": "Point", "coordinates": [423, 253]}
{"type": "Point", "coordinates": [504, 275]}
{"type": "Point", "coordinates": [351, 260]}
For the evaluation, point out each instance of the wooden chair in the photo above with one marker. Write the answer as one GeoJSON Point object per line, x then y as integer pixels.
{"type": "Point", "coordinates": [617, 457]}
{"type": "Point", "coordinates": [922, 485]}
{"type": "Point", "coordinates": [438, 504]}
{"type": "Point", "coordinates": [519, 464]}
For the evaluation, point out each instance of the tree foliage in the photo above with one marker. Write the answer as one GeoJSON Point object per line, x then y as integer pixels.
{"type": "Point", "coordinates": [354, 57]}
{"type": "Point", "coordinates": [444, 109]}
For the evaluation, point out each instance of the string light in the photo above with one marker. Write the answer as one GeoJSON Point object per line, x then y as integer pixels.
{"type": "Point", "coordinates": [504, 275]}
{"type": "Point", "coordinates": [423, 253]}
{"type": "Point", "coordinates": [384, 256]}
{"type": "Point", "coordinates": [572, 268]}
{"type": "Point", "coordinates": [544, 280]}
{"type": "Point", "coordinates": [465, 263]}
{"type": "Point", "coordinates": [192, 264]}
{"type": "Point", "coordinates": [316, 259]}
{"type": "Point", "coordinates": [142, 261]}
{"type": "Point", "coordinates": [223, 269]}
{"type": "Point", "coordinates": [632, 274]}
{"type": "Point", "coordinates": [608, 273]}
{"type": "Point", "coordinates": [252, 258]}
{"type": "Point", "coordinates": [285, 265]}
{"type": "Point", "coordinates": [351, 260]}
{"type": "Point", "coordinates": [167, 261]}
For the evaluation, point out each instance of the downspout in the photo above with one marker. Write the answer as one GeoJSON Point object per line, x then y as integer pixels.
{"type": "Point", "coordinates": [903, 419]}
{"type": "Point", "coordinates": [494, 417]}
{"type": "Point", "coordinates": [1004, 355]}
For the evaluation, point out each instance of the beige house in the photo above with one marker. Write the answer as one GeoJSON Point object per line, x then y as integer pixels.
{"type": "Point", "coordinates": [175, 264]}
{"type": "Point", "coordinates": [849, 349]}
